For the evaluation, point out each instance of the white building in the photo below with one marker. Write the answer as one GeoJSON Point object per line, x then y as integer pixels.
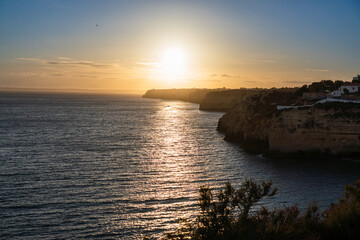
{"type": "Point", "coordinates": [351, 87]}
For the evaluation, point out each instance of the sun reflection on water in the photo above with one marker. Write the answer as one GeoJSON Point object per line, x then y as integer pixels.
{"type": "Point", "coordinates": [171, 177]}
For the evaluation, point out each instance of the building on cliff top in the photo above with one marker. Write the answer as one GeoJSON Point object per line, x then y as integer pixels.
{"type": "Point", "coordinates": [351, 87]}
{"type": "Point", "coordinates": [347, 88]}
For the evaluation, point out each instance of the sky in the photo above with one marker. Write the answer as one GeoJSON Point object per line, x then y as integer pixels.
{"type": "Point", "coordinates": [138, 45]}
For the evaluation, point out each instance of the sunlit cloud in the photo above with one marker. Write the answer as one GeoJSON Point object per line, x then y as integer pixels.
{"type": "Point", "coordinates": [82, 63]}
{"type": "Point", "coordinates": [57, 74]}
{"type": "Point", "coordinates": [63, 58]}
{"type": "Point", "coordinates": [85, 76]}
{"type": "Point", "coordinates": [65, 68]}
{"type": "Point", "coordinates": [317, 70]}
{"type": "Point", "coordinates": [26, 74]}
{"type": "Point", "coordinates": [225, 75]}
{"type": "Point", "coordinates": [30, 59]}
{"type": "Point", "coordinates": [68, 61]}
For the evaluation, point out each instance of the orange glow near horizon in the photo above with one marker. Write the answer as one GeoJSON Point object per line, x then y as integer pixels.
{"type": "Point", "coordinates": [140, 45]}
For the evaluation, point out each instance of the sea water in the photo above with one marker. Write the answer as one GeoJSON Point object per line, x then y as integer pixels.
{"type": "Point", "coordinates": [121, 167]}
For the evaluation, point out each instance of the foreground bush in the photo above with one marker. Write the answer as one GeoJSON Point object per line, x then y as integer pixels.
{"type": "Point", "coordinates": [342, 220]}
{"type": "Point", "coordinates": [231, 216]}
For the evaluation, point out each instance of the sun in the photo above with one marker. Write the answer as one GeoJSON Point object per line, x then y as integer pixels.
{"type": "Point", "coordinates": [173, 59]}
{"type": "Point", "coordinates": [173, 64]}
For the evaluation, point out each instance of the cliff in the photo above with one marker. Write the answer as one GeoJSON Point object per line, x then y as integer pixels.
{"type": "Point", "coordinates": [223, 101]}
{"type": "Point", "coordinates": [329, 129]}
{"type": "Point", "coordinates": [189, 95]}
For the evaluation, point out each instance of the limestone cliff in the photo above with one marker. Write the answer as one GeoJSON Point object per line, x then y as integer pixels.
{"type": "Point", "coordinates": [329, 128]}
{"type": "Point", "coordinates": [248, 122]}
{"type": "Point", "coordinates": [223, 101]}
{"type": "Point", "coordinates": [325, 129]}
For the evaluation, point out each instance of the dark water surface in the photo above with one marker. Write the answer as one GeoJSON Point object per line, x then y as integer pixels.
{"type": "Point", "coordinates": [120, 167]}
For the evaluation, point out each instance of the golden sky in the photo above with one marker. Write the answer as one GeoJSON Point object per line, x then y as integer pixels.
{"type": "Point", "coordinates": [138, 45]}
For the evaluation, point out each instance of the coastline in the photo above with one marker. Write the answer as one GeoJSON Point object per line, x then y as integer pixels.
{"type": "Point", "coordinates": [329, 130]}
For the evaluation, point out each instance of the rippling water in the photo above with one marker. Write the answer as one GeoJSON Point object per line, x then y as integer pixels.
{"type": "Point", "coordinates": [92, 166]}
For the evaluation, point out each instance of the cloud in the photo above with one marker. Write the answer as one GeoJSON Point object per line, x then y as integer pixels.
{"type": "Point", "coordinates": [82, 63]}
{"type": "Point", "coordinates": [30, 59]}
{"type": "Point", "coordinates": [67, 61]}
{"type": "Point", "coordinates": [225, 75]}
{"type": "Point", "coordinates": [239, 76]}
{"type": "Point", "coordinates": [57, 74]}
{"type": "Point", "coordinates": [317, 70]}
{"type": "Point", "coordinates": [63, 58]}
{"type": "Point", "coordinates": [85, 76]}
{"type": "Point", "coordinates": [24, 74]}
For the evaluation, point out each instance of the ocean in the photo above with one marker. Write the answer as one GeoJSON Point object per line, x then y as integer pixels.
{"type": "Point", "coordinates": [122, 167]}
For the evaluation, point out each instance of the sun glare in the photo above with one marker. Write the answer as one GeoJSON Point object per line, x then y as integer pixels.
{"type": "Point", "coordinates": [173, 63]}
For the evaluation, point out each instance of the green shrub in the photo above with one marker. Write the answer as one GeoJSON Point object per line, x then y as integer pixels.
{"type": "Point", "coordinates": [342, 220]}
{"type": "Point", "coordinates": [230, 217]}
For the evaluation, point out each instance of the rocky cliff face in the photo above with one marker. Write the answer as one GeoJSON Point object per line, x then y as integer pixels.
{"type": "Point", "coordinates": [325, 129]}
{"type": "Point", "coordinates": [248, 123]}
{"type": "Point", "coordinates": [223, 101]}
{"type": "Point", "coordinates": [330, 128]}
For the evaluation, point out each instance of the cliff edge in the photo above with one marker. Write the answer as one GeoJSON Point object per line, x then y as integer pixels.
{"type": "Point", "coordinates": [327, 129]}
{"type": "Point", "coordinates": [223, 101]}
